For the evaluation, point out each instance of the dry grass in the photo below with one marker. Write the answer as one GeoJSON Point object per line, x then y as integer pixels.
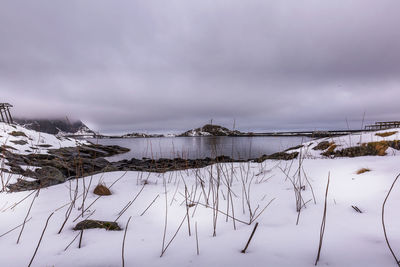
{"type": "Point", "coordinates": [102, 190]}
{"type": "Point", "coordinates": [386, 134]}
{"type": "Point", "coordinates": [379, 147]}
{"type": "Point", "coordinates": [331, 148]}
{"type": "Point", "coordinates": [363, 170]}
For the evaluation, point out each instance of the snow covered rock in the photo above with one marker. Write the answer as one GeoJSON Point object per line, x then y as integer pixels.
{"type": "Point", "coordinates": [211, 130]}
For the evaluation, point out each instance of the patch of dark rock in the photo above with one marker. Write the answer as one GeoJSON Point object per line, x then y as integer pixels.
{"type": "Point", "coordinates": [50, 173]}
{"type": "Point", "coordinates": [19, 142]}
{"type": "Point", "coordinates": [23, 185]}
{"type": "Point", "coordinates": [322, 146]}
{"type": "Point", "coordinates": [44, 145]}
{"type": "Point", "coordinates": [293, 148]}
{"type": "Point", "coordinates": [62, 164]}
{"type": "Point", "coordinates": [18, 133]}
{"type": "Point", "coordinates": [92, 224]}
{"type": "Point", "coordinates": [395, 144]}
{"type": "Point", "coordinates": [89, 151]}
{"type": "Point", "coordinates": [278, 156]}
{"type": "Point", "coordinates": [163, 165]}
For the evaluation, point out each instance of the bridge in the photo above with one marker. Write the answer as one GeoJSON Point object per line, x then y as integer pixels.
{"type": "Point", "coordinates": [313, 134]}
{"type": "Point", "coordinates": [382, 125]}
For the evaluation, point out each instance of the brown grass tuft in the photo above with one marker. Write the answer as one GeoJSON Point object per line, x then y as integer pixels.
{"type": "Point", "coordinates": [363, 170]}
{"type": "Point", "coordinates": [331, 148]}
{"type": "Point", "coordinates": [386, 134]}
{"type": "Point", "coordinates": [102, 190]}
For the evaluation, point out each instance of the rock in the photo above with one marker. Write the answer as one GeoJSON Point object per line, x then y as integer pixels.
{"type": "Point", "coordinates": [322, 146]}
{"type": "Point", "coordinates": [366, 149]}
{"type": "Point", "coordinates": [294, 148]}
{"type": "Point", "coordinates": [45, 145]}
{"type": "Point", "coordinates": [102, 190]}
{"type": "Point", "coordinates": [91, 224]}
{"type": "Point", "coordinates": [212, 130]}
{"type": "Point", "coordinates": [17, 133]}
{"type": "Point", "coordinates": [19, 142]}
{"type": "Point", "coordinates": [50, 173]}
{"type": "Point", "coordinates": [278, 156]}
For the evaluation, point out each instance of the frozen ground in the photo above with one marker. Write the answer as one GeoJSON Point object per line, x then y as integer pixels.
{"type": "Point", "coordinates": [351, 238]}
{"type": "Point", "coordinates": [352, 140]}
{"type": "Point", "coordinates": [23, 141]}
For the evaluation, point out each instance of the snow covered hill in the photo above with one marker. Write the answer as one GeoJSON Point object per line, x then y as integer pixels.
{"type": "Point", "coordinates": [60, 127]}
{"type": "Point", "coordinates": [211, 130]}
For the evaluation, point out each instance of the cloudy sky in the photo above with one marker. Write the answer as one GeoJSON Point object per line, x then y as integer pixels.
{"type": "Point", "coordinates": [156, 65]}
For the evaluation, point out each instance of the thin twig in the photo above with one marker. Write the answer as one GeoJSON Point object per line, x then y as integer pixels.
{"type": "Point", "coordinates": [322, 229]}
{"type": "Point", "coordinates": [383, 222]}
{"type": "Point", "coordinates": [197, 240]}
{"type": "Point", "coordinates": [251, 237]}
{"type": "Point", "coordinates": [123, 242]}
{"type": "Point", "coordinates": [80, 239]}
{"type": "Point", "coordinates": [16, 227]}
{"type": "Point", "coordinates": [27, 214]}
{"type": "Point", "coordinates": [40, 240]}
{"type": "Point", "coordinates": [149, 205]}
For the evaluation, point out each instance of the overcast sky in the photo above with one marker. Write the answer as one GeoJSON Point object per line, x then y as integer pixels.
{"type": "Point", "coordinates": [173, 65]}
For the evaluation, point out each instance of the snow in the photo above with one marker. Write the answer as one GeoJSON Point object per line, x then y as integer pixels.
{"type": "Point", "coordinates": [194, 133]}
{"type": "Point", "coordinates": [351, 238]}
{"type": "Point", "coordinates": [83, 132]}
{"type": "Point", "coordinates": [351, 140]}
{"type": "Point", "coordinates": [36, 142]}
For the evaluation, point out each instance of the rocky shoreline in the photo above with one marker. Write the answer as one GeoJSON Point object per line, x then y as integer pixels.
{"type": "Point", "coordinates": [63, 164]}
{"type": "Point", "coordinates": [66, 163]}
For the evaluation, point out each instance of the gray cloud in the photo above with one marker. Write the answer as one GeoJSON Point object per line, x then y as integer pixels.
{"type": "Point", "coordinates": [153, 65]}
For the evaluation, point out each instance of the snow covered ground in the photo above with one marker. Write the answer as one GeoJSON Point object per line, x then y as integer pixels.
{"type": "Point", "coordinates": [20, 140]}
{"type": "Point", "coordinates": [351, 238]}
{"type": "Point", "coordinates": [352, 140]}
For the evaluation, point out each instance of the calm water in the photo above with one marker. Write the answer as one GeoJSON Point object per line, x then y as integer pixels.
{"type": "Point", "coordinates": [201, 147]}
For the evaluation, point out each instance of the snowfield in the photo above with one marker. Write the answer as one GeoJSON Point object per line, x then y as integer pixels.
{"type": "Point", "coordinates": [20, 140]}
{"type": "Point", "coordinates": [351, 238]}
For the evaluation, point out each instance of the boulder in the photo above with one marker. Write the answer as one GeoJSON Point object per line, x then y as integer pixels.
{"type": "Point", "coordinates": [91, 224]}
{"type": "Point", "coordinates": [50, 173]}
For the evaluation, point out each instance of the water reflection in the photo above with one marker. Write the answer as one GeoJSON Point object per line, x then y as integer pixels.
{"type": "Point", "coordinates": [201, 147]}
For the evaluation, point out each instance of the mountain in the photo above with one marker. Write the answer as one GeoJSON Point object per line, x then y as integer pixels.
{"type": "Point", "coordinates": [57, 126]}
{"type": "Point", "coordinates": [212, 130]}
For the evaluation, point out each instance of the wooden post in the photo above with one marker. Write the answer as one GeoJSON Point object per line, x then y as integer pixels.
{"type": "Point", "coordinates": [1, 112]}
{"type": "Point", "coordinates": [5, 113]}
{"type": "Point", "coordinates": [9, 114]}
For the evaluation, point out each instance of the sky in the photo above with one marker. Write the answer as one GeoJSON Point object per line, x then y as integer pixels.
{"type": "Point", "coordinates": [159, 66]}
